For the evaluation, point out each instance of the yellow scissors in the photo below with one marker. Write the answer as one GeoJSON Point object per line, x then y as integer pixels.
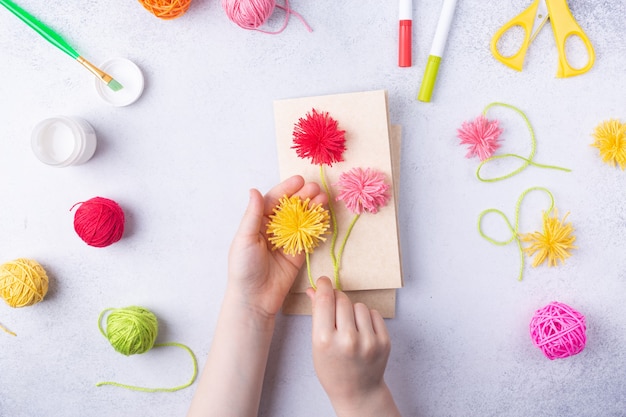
{"type": "Point", "coordinates": [531, 21]}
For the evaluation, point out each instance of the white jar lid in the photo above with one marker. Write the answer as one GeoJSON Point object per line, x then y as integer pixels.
{"type": "Point", "coordinates": [126, 73]}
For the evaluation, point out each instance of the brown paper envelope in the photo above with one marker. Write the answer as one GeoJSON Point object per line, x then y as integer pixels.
{"type": "Point", "coordinates": [371, 259]}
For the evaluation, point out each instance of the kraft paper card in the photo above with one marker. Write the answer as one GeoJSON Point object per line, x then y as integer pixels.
{"type": "Point", "coordinates": [382, 300]}
{"type": "Point", "coordinates": [371, 259]}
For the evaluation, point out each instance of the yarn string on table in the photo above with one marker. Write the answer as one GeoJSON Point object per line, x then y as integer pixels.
{"type": "Point", "coordinates": [99, 221]}
{"type": "Point", "coordinates": [251, 14]}
{"type": "Point", "coordinates": [482, 136]}
{"type": "Point", "coordinates": [514, 229]}
{"type": "Point", "coordinates": [558, 330]}
{"type": "Point", "coordinates": [133, 330]}
{"type": "Point", "coordinates": [166, 9]}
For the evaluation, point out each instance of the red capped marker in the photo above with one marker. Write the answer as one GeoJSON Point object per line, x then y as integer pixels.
{"type": "Point", "coordinates": [405, 33]}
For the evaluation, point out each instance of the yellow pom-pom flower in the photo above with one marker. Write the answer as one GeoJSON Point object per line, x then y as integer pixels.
{"type": "Point", "coordinates": [554, 243]}
{"type": "Point", "coordinates": [610, 139]}
{"type": "Point", "coordinates": [295, 227]}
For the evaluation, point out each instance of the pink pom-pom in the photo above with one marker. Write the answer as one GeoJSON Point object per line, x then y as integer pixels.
{"type": "Point", "coordinates": [558, 330]}
{"type": "Point", "coordinates": [363, 190]}
{"type": "Point", "coordinates": [99, 222]}
{"type": "Point", "coordinates": [482, 137]}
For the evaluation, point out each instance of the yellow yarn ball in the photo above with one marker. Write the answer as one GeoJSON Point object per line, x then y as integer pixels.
{"type": "Point", "coordinates": [23, 282]}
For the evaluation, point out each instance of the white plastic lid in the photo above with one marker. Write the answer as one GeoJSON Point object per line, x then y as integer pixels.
{"type": "Point", "coordinates": [126, 73]}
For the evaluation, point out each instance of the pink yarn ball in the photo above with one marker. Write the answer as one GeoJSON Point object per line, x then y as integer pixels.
{"type": "Point", "coordinates": [248, 14]}
{"type": "Point", "coordinates": [99, 222]}
{"type": "Point", "coordinates": [558, 330]}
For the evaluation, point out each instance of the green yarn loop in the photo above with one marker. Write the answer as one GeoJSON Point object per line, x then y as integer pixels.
{"type": "Point", "coordinates": [513, 229]}
{"type": "Point", "coordinates": [526, 160]}
{"type": "Point", "coordinates": [133, 330]}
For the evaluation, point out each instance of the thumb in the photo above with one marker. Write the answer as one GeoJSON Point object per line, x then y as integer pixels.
{"type": "Point", "coordinates": [253, 216]}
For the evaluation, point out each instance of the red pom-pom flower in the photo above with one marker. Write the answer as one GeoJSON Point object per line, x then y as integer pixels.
{"type": "Point", "coordinates": [318, 137]}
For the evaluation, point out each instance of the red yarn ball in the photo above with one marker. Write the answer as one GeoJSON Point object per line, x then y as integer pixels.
{"type": "Point", "coordinates": [558, 330]}
{"type": "Point", "coordinates": [99, 222]}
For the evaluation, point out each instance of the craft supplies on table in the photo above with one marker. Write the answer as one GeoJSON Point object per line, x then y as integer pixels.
{"type": "Point", "coordinates": [436, 51]}
{"type": "Point", "coordinates": [531, 20]}
{"type": "Point", "coordinates": [62, 141]}
{"type": "Point", "coordinates": [56, 40]}
{"type": "Point", "coordinates": [127, 73]}
{"type": "Point", "coordinates": [133, 330]}
{"type": "Point", "coordinates": [99, 221]}
{"type": "Point", "coordinates": [405, 29]}
{"type": "Point", "coordinates": [166, 9]}
{"type": "Point", "coordinates": [558, 330]}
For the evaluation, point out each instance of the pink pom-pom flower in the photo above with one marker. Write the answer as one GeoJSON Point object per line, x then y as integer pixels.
{"type": "Point", "coordinates": [363, 190]}
{"type": "Point", "coordinates": [482, 137]}
{"type": "Point", "coordinates": [318, 137]}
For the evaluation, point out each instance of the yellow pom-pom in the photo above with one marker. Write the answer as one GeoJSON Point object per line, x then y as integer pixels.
{"type": "Point", "coordinates": [610, 139]}
{"type": "Point", "coordinates": [295, 227]}
{"type": "Point", "coordinates": [23, 282]}
{"type": "Point", "coordinates": [553, 243]}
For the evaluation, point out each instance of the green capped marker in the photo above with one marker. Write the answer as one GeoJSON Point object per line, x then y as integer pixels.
{"type": "Point", "coordinates": [436, 51]}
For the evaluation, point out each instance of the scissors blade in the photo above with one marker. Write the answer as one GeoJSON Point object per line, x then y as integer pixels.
{"type": "Point", "coordinates": [540, 19]}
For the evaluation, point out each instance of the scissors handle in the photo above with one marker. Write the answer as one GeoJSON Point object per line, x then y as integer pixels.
{"type": "Point", "coordinates": [564, 26]}
{"type": "Point", "coordinates": [525, 20]}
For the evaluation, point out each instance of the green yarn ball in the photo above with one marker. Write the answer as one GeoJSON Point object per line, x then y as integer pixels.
{"type": "Point", "coordinates": [131, 330]}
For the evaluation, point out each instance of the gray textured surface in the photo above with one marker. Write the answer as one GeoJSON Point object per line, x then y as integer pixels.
{"type": "Point", "coordinates": [181, 159]}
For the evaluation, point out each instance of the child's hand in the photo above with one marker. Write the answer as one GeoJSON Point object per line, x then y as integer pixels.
{"type": "Point", "coordinates": [350, 351]}
{"type": "Point", "coordinates": [259, 277]}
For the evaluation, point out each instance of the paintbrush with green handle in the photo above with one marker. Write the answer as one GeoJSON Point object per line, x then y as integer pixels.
{"type": "Point", "coordinates": [56, 39]}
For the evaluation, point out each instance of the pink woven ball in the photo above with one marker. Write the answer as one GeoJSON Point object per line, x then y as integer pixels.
{"type": "Point", "coordinates": [99, 222]}
{"type": "Point", "coordinates": [558, 330]}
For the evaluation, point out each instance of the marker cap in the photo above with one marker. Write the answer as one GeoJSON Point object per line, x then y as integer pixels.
{"type": "Point", "coordinates": [405, 41]}
{"type": "Point", "coordinates": [429, 79]}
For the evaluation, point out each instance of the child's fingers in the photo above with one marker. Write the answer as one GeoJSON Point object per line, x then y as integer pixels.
{"type": "Point", "coordinates": [324, 307]}
{"type": "Point", "coordinates": [378, 324]}
{"type": "Point", "coordinates": [288, 187]}
{"type": "Point", "coordinates": [363, 319]}
{"type": "Point", "coordinates": [312, 190]}
{"type": "Point", "coordinates": [345, 313]}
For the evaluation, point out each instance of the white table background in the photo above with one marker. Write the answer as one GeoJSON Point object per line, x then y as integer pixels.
{"type": "Point", "coordinates": [180, 162]}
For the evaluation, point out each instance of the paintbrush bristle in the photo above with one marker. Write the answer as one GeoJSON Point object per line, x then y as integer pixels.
{"type": "Point", "coordinates": [114, 85]}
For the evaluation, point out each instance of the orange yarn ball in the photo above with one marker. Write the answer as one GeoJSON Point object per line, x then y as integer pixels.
{"type": "Point", "coordinates": [166, 9]}
{"type": "Point", "coordinates": [23, 282]}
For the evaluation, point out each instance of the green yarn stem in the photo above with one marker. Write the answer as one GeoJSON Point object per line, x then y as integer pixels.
{"type": "Point", "coordinates": [343, 246]}
{"type": "Point", "coordinates": [143, 389]}
{"type": "Point", "coordinates": [333, 218]}
{"type": "Point", "coordinates": [308, 270]}
{"type": "Point", "coordinates": [514, 229]}
{"type": "Point", "coordinates": [527, 161]}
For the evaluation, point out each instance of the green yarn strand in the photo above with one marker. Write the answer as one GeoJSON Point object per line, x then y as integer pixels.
{"type": "Point", "coordinates": [527, 160]}
{"type": "Point", "coordinates": [333, 242]}
{"type": "Point", "coordinates": [308, 270]}
{"type": "Point", "coordinates": [144, 389]}
{"type": "Point", "coordinates": [513, 229]}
